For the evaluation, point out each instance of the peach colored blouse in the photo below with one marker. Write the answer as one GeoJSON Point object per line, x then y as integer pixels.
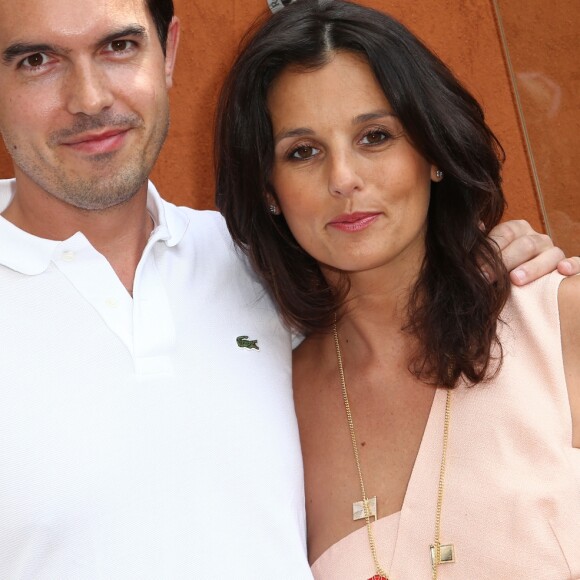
{"type": "Point", "coordinates": [512, 490]}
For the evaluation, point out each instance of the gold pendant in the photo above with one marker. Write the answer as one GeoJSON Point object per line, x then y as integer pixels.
{"type": "Point", "coordinates": [446, 554]}
{"type": "Point", "coordinates": [358, 509]}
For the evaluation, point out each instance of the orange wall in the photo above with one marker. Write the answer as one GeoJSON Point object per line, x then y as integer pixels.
{"type": "Point", "coordinates": [462, 32]}
{"type": "Point", "coordinates": [544, 45]}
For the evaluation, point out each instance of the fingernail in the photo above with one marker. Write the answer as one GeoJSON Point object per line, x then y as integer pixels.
{"type": "Point", "coordinates": [519, 274]}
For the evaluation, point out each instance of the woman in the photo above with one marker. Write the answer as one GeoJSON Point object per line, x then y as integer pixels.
{"type": "Point", "coordinates": [439, 414]}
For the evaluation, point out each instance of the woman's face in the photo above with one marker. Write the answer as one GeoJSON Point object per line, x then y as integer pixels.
{"type": "Point", "coordinates": [353, 189]}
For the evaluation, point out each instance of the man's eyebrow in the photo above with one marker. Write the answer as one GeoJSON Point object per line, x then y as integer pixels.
{"type": "Point", "coordinates": [19, 49]}
{"type": "Point", "coordinates": [131, 30]}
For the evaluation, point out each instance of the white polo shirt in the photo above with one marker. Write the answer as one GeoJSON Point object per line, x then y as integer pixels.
{"type": "Point", "coordinates": [151, 437]}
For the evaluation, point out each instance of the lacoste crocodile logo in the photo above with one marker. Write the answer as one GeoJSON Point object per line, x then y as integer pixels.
{"type": "Point", "coordinates": [243, 342]}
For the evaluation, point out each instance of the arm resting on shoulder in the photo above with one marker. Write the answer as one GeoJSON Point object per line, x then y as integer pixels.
{"type": "Point", "coordinates": [569, 305]}
{"type": "Point", "coordinates": [529, 255]}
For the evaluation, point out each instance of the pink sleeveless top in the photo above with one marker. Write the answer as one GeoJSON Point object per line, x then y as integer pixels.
{"type": "Point", "coordinates": [512, 489]}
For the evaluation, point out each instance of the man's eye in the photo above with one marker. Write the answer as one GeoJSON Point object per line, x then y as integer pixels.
{"type": "Point", "coordinates": [34, 60]}
{"type": "Point", "coordinates": [120, 45]}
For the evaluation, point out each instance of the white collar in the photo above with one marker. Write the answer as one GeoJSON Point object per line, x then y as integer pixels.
{"type": "Point", "coordinates": [31, 255]}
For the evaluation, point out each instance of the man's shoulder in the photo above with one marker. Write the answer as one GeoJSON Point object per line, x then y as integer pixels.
{"type": "Point", "coordinates": [201, 232]}
{"type": "Point", "coordinates": [184, 220]}
{"type": "Point", "coordinates": [207, 234]}
{"type": "Point", "coordinates": [208, 217]}
{"type": "Point", "coordinates": [205, 224]}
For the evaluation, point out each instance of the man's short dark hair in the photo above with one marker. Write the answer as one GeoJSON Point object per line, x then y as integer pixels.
{"type": "Point", "coordinates": [162, 12]}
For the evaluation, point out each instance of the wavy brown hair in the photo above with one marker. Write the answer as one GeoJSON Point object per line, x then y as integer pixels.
{"type": "Point", "coordinates": [453, 310]}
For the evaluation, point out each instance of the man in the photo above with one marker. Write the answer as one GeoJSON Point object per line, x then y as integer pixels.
{"type": "Point", "coordinates": [146, 418]}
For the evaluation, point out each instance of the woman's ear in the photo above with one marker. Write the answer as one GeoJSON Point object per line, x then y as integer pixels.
{"type": "Point", "coordinates": [273, 206]}
{"type": "Point", "coordinates": [436, 174]}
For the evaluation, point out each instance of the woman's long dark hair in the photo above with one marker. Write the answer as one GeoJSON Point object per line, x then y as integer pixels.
{"type": "Point", "coordinates": [453, 309]}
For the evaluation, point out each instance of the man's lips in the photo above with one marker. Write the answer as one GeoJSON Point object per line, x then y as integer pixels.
{"type": "Point", "coordinates": [95, 143]}
{"type": "Point", "coordinates": [354, 222]}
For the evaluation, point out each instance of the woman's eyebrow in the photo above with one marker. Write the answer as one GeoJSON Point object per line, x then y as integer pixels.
{"type": "Point", "coordinates": [366, 117]}
{"type": "Point", "coordinates": [298, 132]}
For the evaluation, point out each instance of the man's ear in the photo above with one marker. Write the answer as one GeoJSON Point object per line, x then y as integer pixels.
{"type": "Point", "coordinates": [171, 50]}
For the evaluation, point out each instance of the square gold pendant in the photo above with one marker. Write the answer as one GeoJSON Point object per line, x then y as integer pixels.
{"type": "Point", "coordinates": [446, 553]}
{"type": "Point", "coordinates": [358, 509]}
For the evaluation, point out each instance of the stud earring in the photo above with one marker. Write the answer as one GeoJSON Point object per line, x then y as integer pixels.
{"type": "Point", "coordinates": [274, 209]}
{"type": "Point", "coordinates": [439, 174]}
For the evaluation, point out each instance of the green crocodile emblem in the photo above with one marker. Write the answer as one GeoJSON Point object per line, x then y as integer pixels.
{"type": "Point", "coordinates": [243, 342]}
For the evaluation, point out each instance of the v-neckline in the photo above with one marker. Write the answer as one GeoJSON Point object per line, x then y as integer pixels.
{"type": "Point", "coordinates": [420, 467]}
{"type": "Point", "coordinates": [424, 476]}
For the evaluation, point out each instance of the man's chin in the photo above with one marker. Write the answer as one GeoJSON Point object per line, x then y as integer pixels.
{"type": "Point", "coordinates": [99, 190]}
{"type": "Point", "coordinates": [100, 203]}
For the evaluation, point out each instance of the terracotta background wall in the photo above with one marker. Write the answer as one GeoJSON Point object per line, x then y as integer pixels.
{"type": "Point", "coordinates": [544, 46]}
{"type": "Point", "coordinates": [462, 32]}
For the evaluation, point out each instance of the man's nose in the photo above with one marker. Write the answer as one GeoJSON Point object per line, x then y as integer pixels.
{"type": "Point", "coordinates": [88, 90]}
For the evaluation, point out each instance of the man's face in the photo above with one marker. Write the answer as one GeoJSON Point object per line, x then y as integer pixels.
{"type": "Point", "coordinates": [83, 97]}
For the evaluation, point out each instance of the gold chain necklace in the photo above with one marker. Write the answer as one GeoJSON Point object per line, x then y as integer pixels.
{"type": "Point", "coordinates": [440, 553]}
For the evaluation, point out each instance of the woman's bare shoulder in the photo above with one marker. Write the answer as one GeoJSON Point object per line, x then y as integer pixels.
{"type": "Point", "coordinates": [311, 364]}
{"type": "Point", "coordinates": [310, 350]}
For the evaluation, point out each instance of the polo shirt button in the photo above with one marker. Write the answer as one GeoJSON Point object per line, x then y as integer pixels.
{"type": "Point", "coordinates": [68, 256]}
{"type": "Point", "coordinates": [112, 302]}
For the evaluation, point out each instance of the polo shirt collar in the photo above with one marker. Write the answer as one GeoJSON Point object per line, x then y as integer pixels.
{"type": "Point", "coordinates": [171, 223]}
{"type": "Point", "coordinates": [31, 255]}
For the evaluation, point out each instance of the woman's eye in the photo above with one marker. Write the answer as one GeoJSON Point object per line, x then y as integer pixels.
{"type": "Point", "coordinates": [374, 137]}
{"type": "Point", "coordinates": [34, 60]}
{"type": "Point", "coordinates": [304, 152]}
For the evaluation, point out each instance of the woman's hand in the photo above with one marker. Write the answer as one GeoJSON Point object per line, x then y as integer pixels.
{"type": "Point", "coordinates": [529, 255]}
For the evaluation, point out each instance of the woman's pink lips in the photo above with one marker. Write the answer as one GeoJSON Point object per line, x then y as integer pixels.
{"type": "Point", "coordinates": [353, 222]}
